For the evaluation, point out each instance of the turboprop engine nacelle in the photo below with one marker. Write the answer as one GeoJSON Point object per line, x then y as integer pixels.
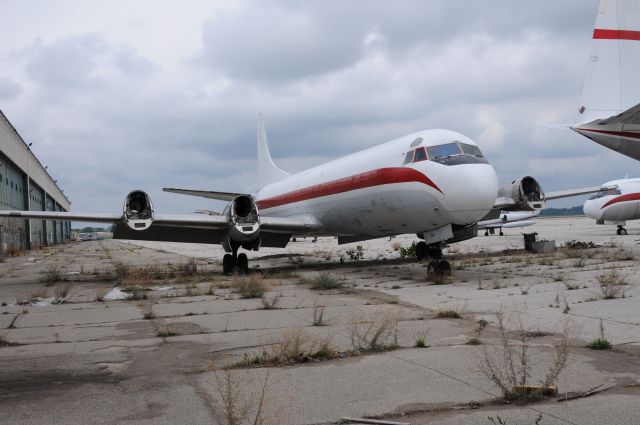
{"type": "Point", "coordinates": [526, 192]}
{"type": "Point", "coordinates": [244, 223]}
{"type": "Point", "coordinates": [137, 211]}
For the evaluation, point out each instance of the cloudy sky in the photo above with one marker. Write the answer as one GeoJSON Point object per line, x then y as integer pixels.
{"type": "Point", "coordinates": [145, 94]}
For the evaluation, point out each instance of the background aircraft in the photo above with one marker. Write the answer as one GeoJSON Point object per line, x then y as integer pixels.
{"type": "Point", "coordinates": [610, 113]}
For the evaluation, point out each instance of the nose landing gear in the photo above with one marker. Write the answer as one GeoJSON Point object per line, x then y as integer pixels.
{"type": "Point", "coordinates": [438, 267]}
{"type": "Point", "coordinates": [621, 230]}
{"type": "Point", "coordinates": [235, 262]}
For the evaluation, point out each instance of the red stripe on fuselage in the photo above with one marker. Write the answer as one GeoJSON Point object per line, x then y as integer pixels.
{"type": "Point", "coordinates": [622, 198]}
{"type": "Point", "coordinates": [612, 133]}
{"type": "Point", "coordinates": [346, 184]}
{"type": "Point", "coordinates": [601, 34]}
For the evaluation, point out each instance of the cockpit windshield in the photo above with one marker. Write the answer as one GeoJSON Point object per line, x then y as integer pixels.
{"type": "Point", "coordinates": [441, 151]}
{"type": "Point", "coordinates": [453, 153]}
{"type": "Point", "coordinates": [606, 192]}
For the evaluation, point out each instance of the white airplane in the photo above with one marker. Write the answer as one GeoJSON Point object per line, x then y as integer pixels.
{"type": "Point", "coordinates": [507, 220]}
{"type": "Point", "coordinates": [434, 183]}
{"type": "Point", "coordinates": [610, 112]}
{"type": "Point", "coordinates": [617, 203]}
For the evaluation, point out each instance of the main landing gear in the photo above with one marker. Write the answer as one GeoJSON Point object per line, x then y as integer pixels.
{"type": "Point", "coordinates": [621, 230]}
{"type": "Point", "coordinates": [437, 267]}
{"type": "Point", "coordinates": [235, 262]}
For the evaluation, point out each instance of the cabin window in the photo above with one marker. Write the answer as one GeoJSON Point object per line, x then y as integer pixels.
{"type": "Point", "coordinates": [408, 158]}
{"type": "Point", "coordinates": [420, 155]}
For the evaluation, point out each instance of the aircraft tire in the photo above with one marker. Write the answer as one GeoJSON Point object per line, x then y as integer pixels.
{"type": "Point", "coordinates": [445, 268]}
{"type": "Point", "coordinates": [243, 263]}
{"type": "Point", "coordinates": [421, 251]}
{"type": "Point", "coordinates": [433, 269]}
{"type": "Point", "coordinates": [622, 231]}
{"type": "Point", "coordinates": [227, 264]}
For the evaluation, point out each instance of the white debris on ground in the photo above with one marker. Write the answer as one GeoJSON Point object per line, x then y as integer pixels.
{"type": "Point", "coordinates": [43, 302]}
{"type": "Point", "coordinates": [116, 294]}
{"type": "Point", "coordinates": [162, 288]}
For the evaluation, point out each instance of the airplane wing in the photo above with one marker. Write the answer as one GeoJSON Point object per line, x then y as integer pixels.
{"type": "Point", "coordinates": [220, 196]}
{"type": "Point", "coordinates": [574, 192]}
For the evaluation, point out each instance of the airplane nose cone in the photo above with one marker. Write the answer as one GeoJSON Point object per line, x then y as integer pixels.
{"type": "Point", "coordinates": [591, 210]}
{"type": "Point", "coordinates": [470, 192]}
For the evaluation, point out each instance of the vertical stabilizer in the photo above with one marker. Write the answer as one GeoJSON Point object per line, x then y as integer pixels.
{"type": "Point", "coordinates": [267, 170]}
{"type": "Point", "coordinates": [612, 83]}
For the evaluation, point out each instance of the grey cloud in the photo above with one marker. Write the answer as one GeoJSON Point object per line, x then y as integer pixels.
{"type": "Point", "coordinates": [9, 89]}
{"type": "Point", "coordinates": [132, 64]}
{"type": "Point", "coordinates": [67, 63]}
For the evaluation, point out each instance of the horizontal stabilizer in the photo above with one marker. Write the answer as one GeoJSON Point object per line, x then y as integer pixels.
{"type": "Point", "coordinates": [220, 196]}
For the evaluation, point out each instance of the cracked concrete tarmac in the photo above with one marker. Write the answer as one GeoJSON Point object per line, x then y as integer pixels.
{"type": "Point", "coordinates": [158, 358]}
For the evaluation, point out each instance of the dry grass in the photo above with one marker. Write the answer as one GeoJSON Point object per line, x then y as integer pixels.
{"type": "Point", "coordinates": [61, 292]}
{"type": "Point", "coordinates": [252, 286]}
{"type": "Point", "coordinates": [612, 284]}
{"type": "Point", "coordinates": [270, 303]}
{"type": "Point", "coordinates": [380, 334]}
{"type": "Point", "coordinates": [292, 346]}
{"type": "Point", "coordinates": [53, 274]}
{"type": "Point", "coordinates": [244, 398]}
{"type": "Point", "coordinates": [101, 293]}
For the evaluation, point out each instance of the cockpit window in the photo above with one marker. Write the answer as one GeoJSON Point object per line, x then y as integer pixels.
{"type": "Point", "coordinates": [471, 150]}
{"type": "Point", "coordinates": [454, 153]}
{"type": "Point", "coordinates": [441, 151]}
{"type": "Point", "coordinates": [408, 158]}
{"type": "Point", "coordinates": [420, 155]}
{"type": "Point", "coordinates": [606, 192]}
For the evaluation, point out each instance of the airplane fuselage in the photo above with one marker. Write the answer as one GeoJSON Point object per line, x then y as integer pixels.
{"type": "Point", "coordinates": [390, 188]}
{"type": "Point", "coordinates": [615, 206]}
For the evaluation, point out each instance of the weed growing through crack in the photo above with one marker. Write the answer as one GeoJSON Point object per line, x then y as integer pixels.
{"type": "Point", "coordinates": [318, 314]}
{"type": "Point", "coordinates": [380, 334]}
{"type": "Point", "coordinates": [600, 343]}
{"type": "Point", "coordinates": [52, 275]}
{"type": "Point", "coordinates": [421, 339]}
{"type": "Point", "coordinates": [448, 314]}
{"type": "Point", "coordinates": [509, 365]}
{"type": "Point", "coordinates": [242, 398]}
{"type": "Point", "coordinates": [326, 281]}
{"type": "Point", "coordinates": [121, 270]}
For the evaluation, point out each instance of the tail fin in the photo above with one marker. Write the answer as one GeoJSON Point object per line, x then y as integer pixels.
{"type": "Point", "coordinates": [268, 172]}
{"type": "Point", "coordinates": [612, 83]}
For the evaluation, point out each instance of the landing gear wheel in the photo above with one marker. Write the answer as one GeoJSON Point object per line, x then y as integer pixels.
{"type": "Point", "coordinates": [438, 271]}
{"type": "Point", "coordinates": [421, 251]}
{"type": "Point", "coordinates": [243, 264]}
{"type": "Point", "coordinates": [228, 264]}
{"type": "Point", "coordinates": [621, 230]}
{"type": "Point", "coordinates": [501, 233]}
{"type": "Point", "coordinates": [486, 233]}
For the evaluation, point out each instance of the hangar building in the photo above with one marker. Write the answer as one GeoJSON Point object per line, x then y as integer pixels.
{"type": "Point", "coordinates": [26, 185]}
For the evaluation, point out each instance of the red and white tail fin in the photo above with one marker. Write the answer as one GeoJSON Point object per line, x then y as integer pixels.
{"type": "Point", "coordinates": [612, 83]}
{"type": "Point", "coordinates": [268, 172]}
